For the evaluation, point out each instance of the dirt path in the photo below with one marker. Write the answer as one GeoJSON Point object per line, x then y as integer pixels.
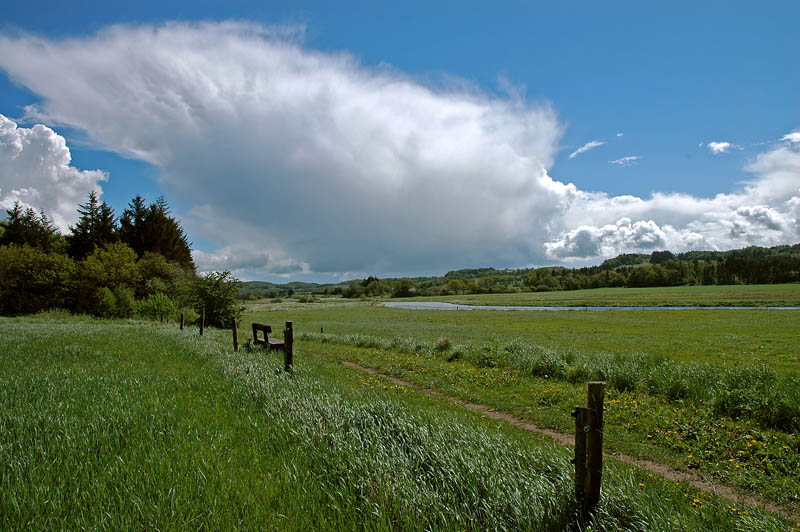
{"type": "Point", "coordinates": [565, 439]}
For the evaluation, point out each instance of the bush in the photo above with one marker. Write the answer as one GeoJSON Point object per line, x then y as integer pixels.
{"type": "Point", "coordinates": [156, 307]}
{"type": "Point", "coordinates": [32, 280]}
{"type": "Point", "coordinates": [403, 288]}
{"type": "Point", "coordinates": [549, 364]}
{"type": "Point", "coordinates": [104, 282]}
{"type": "Point", "coordinates": [189, 315]}
{"type": "Point", "coordinates": [216, 293]}
{"type": "Point", "coordinates": [443, 344]}
{"type": "Point", "coordinates": [117, 303]}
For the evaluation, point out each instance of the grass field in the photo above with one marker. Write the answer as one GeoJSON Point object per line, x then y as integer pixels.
{"type": "Point", "coordinates": [717, 336]}
{"type": "Point", "coordinates": [775, 295]}
{"type": "Point", "coordinates": [715, 392]}
{"type": "Point", "coordinates": [125, 425]}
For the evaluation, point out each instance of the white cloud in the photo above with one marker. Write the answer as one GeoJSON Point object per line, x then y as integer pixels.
{"type": "Point", "coordinates": [719, 147]}
{"type": "Point", "coordinates": [764, 213]}
{"type": "Point", "coordinates": [590, 241]}
{"type": "Point", "coordinates": [760, 215]}
{"type": "Point", "coordinates": [35, 170]}
{"type": "Point", "coordinates": [335, 165]}
{"type": "Point", "coordinates": [243, 258]}
{"type": "Point", "coordinates": [586, 147]}
{"type": "Point", "coordinates": [619, 134]}
{"type": "Point", "coordinates": [794, 136]}
{"type": "Point", "coordinates": [303, 162]}
{"type": "Point", "coordinates": [626, 161]}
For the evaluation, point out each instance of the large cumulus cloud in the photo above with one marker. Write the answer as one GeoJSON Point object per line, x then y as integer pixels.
{"type": "Point", "coordinates": [763, 212]}
{"type": "Point", "coordinates": [300, 161]}
{"type": "Point", "coordinates": [332, 164]}
{"type": "Point", "coordinates": [35, 170]}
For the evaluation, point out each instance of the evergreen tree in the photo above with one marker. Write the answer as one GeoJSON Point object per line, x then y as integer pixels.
{"type": "Point", "coordinates": [25, 227]}
{"type": "Point", "coordinates": [152, 229]}
{"type": "Point", "coordinates": [131, 225]}
{"type": "Point", "coordinates": [95, 228]}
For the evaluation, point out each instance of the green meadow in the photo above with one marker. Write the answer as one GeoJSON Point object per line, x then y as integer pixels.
{"type": "Point", "coordinates": [711, 392]}
{"type": "Point", "coordinates": [728, 337]}
{"type": "Point", "coordinates": [131, 425]}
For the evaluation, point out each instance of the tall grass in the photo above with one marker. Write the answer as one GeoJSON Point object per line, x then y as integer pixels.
{"type": "Point", "coordinates": [754, 392]}
{"type": "Point", "coordinates": [134, 426]}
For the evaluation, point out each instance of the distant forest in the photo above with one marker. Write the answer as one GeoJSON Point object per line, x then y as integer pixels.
{"type": "Point", "coordinates": [751, 265]}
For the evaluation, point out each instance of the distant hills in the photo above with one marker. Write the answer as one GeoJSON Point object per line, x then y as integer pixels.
{"type": "Point", "coordinates": [750, 265]}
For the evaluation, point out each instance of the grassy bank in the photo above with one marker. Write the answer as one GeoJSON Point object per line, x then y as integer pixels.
{"type": "Point", "coordinates": [130, 426]}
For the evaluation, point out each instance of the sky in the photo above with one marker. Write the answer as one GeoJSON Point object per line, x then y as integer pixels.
{"type": "Point", "coordinates": [322, 141]}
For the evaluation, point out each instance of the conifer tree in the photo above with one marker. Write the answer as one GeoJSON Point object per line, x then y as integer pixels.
{"type": "Point", "coordinates": [96, 227]}
{"type": "Point", "coordinates": [152, 229]}
{"type": "Point", "coordinates": [131, 226]}
{"type": "Point", "coordinates": [25, 227]}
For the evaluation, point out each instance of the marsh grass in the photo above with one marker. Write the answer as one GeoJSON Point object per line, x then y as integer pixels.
{"type": "Point", "coordinates": [754, 392]}
{"type": "Point", "coordinates": [128, 425]}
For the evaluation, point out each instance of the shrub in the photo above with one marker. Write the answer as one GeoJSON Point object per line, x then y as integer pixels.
{"type": "Point", "coordinates": [403, 288]}
{"type": "Point", "coordinates": [486, 358]}
{"type": "Point", "coordinates": [116, 303]}
{"type": "Point", "coordinates": [32, 280]}
{"type": "Point", "coordinates": [126, 302]}
{"type": "Point", "coordinates": [189, 315]}
{"type": "Point", "coordinates": [216, 293]}
{"type": "Point", "coordinates": [156, 307]}
{"type": "Point", "coordinates": [442, 344]}
{"type": "Point", "coordinates": [549, 364]}
{"type": "Point", "coordinates": [112, 268]}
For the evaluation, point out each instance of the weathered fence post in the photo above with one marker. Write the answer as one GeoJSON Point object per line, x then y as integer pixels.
{"type": "Point", "coordinates": [320, 330]}
{"type": "Point", "coordinates": [288, 340]}
{"type": "Point", "coordinates": [580, 452]}
{"type": "Point", "coordinates": [594, 442]}
{"type": "Point", "coordinates": [181, 320]}
{"type": "Point", "coordinates": [235, 336]}
{"type": "Point", "coordinates": [202, 322]}
{"type": "Point", "coordinates": [589, 448]}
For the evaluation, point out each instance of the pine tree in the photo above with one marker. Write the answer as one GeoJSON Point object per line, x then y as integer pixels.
{"type": "Point", "coordinates": [25, 227]}
{"type": "Point", "coordinates": [131, 225]}
{"type": "Point", "coordinates": [152, 229]}
{"type": "Point", "coordinates": [96, 227]}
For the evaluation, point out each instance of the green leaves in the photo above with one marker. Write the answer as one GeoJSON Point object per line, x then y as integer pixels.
{"type": "Point", "coordinates": [216, 293]}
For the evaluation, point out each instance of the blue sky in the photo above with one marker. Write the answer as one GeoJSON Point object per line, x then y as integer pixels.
{"type": "Point", "coordinates": [646, 88]}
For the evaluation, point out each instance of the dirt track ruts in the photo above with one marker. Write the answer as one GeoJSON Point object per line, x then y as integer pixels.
{"type": "Point", "coordinates": [566, 439]}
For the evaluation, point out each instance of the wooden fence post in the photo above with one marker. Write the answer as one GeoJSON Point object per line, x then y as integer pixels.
{"type": "Point", "coordinates": [235, 336]}
{"type": "Point", "coordinates": [594, 442]}
{"type": "Point", "coordinates": [181, 320]}
{"type": "Point", "coordinates": [580, 452]}
{"type": "Point", "coordinates": [288, 340]}
{"type": "Point", "coordinates": [589, 449]}
{"type": "Point", "coordinates": [202, 322]}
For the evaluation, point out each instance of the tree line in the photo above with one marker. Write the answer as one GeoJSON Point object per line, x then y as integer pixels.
{"type": "Point", "coordinates": [751, 265]}
{"type": "Point", "coordinates": [137, 264]}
